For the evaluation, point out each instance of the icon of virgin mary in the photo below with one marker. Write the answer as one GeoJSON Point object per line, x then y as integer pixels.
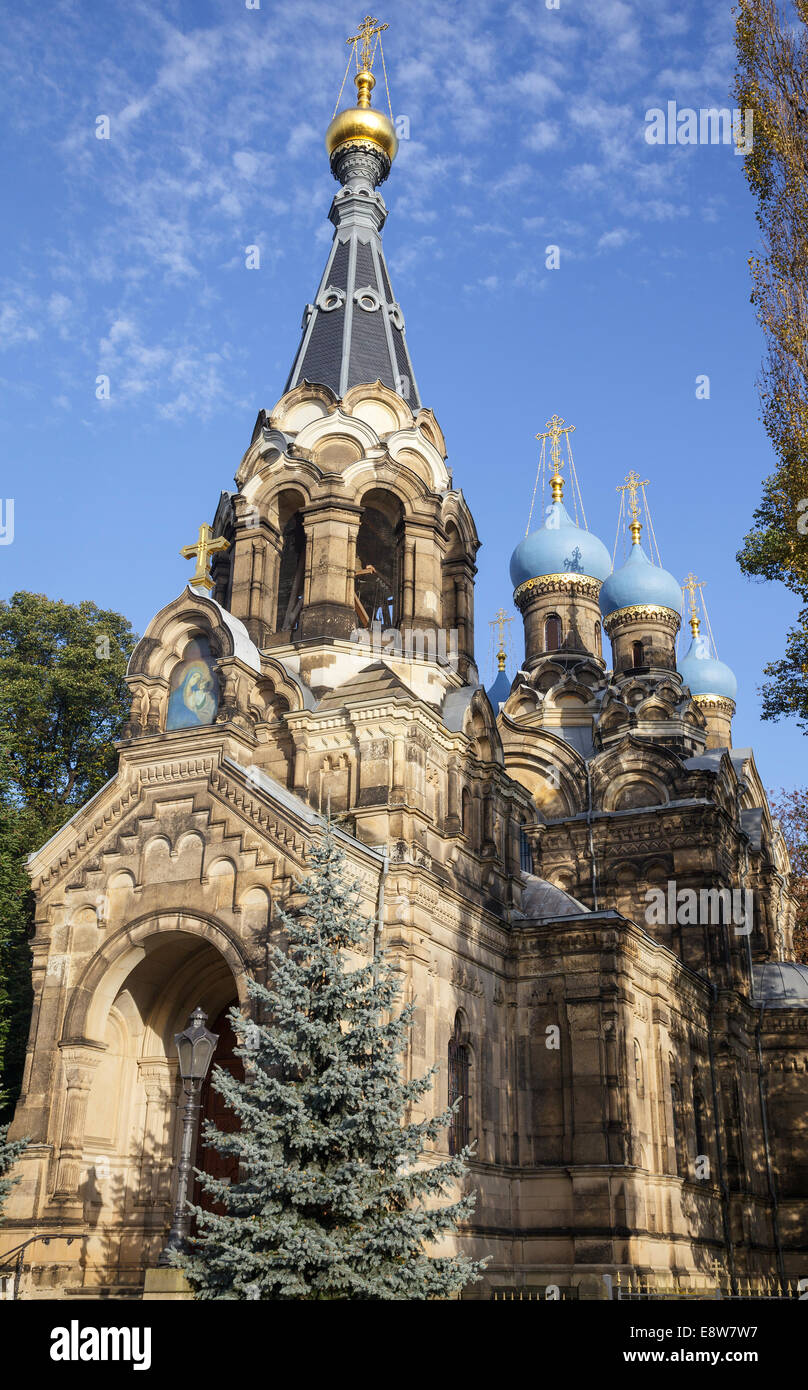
{"type": "Point", "coordinates": [194, 697]}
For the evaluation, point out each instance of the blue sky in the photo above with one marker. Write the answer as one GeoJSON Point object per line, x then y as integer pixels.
{"type": "Point", "coordinates": [527, 128]}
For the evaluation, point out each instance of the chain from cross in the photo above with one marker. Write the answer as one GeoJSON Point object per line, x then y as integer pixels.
{"type": "Point", "coordinates": [553, 430]}
{"type": "Point", "coordinates": [201, 551]}
{"type": "Point", "coordinates": [366, 33]}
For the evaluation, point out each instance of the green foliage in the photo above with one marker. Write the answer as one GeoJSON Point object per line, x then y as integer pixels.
{"type": "Point", "coordinates": [772, 81]}
{"type": "Point", "coordinates": [10, 1151]}
{"type": "Point", "coordinates": [336, 1196]}
{"type": "Point", "coordinates": [63, 699]}
{"type": "Point", "coordinates": [63, 702]}
{"type": "Point", "coordinates": [791, 809]}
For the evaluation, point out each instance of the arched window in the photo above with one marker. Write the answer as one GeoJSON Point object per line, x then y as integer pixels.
{"type": "Point", "coordinates": [378, 577]}
{"type": "Point", "coordinates": [458, 1088]}
{"type": "Point", "coordinates": [639, 1072]}
{"type": "Point", "coordinates": [552, 633]}
{"type": "Point", "coordinates": [677, 1119]}
{"type": "Point", "coordinates": [292, 570]}
{"type": "Point", "coordinates": [637, 657]}
{"type": "Point", "coordinates": [699, 1118]}
{"type": "Point", "coordinates": [598, 640]}
{"type": "Point", "coordinates": [465, 812]}
{"type": "Point", "coordinates": [525, 852]}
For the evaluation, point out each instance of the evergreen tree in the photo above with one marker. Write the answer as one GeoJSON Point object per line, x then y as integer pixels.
{"type": "Point", "coordinates": [336, 1197]}
{"type": "Point", "coordinates": [10, 1150]}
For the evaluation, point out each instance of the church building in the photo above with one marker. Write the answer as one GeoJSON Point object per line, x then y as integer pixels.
{"type": "Point", "coordinates": [578, 874]}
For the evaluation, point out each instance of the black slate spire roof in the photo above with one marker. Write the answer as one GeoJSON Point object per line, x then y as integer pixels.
{"type": "Point", "coordinates": [354, 330]}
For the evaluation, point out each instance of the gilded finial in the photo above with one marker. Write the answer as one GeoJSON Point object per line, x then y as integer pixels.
{"type": "Point", "coordinates": [362, 124]}
{"type": "Point", "coordinates": [364, 80]}
{"type": "Point", "coordinates": [501, 618]}
{"type": "Point", "coordinates": [553, 430]}
{"type": "Point", "coordinates": [632, 483]}
{"type": "Point", "coordinates": [204, 547]}
{"type": "Point", "coordinates": [691, 583]}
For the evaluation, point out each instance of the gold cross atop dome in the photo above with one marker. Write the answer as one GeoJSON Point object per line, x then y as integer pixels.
{"type": "Point", "coordinates": [632, 483]}
{"type": "Point", "coordinates": [366, 33]}
{"type": "Point", "coordinates": [501, 618]}
{"type": "Point", "coordinates": [201, 551]}
{"type": "Point", "coordinates": [692, 583]}
{"type": "Point", "coordinates": [553, 430]}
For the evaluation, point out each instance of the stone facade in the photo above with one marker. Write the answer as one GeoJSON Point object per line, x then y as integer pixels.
{"type": "Point", "coordinates": [634, 1104]}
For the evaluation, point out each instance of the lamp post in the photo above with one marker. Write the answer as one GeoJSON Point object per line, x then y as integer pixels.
{"type": "Point", "coordinates": [195, 1047]}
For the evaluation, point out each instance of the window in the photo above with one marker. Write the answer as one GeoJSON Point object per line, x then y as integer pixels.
{"type": "Point", "coordinates": [637, 657]}
{"type": "Point", "coordinates": [458, 1088]}
{"type": "Point", "coordinates": [465, 812]}
{"type": "Point", "coordinates": [291, 575]}
{"type": "Point", "coordinates": [639, 1075]}
{"type": "Point", "coordinates": [700, 1119]}
{"type": "Point", "coordinates": [598, 640]}
{"type": "Point", "coordinates": [552, 633]}
{"type": "Point", "coordinates": [678, 1132]}
{"type": "Point", "coordinates": [378, 577]}
{"type": "Point", "coordinates": [525, 852]}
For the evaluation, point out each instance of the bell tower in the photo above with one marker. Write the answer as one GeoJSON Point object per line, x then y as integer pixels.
{"type": "Point", "coordinates": [346, 528]}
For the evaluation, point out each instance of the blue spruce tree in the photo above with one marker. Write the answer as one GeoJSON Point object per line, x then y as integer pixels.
{"type": "Point", "coordinates": [336, 1196]}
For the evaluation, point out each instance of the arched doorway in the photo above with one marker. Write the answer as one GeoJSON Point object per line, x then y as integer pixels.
{"type": "Point", "coordinates": [126, 1138]}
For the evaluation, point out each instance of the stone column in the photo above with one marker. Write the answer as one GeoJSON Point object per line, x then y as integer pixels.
{"type": "Point", "coordinates": [79, 1063]}
{"type": "Point", "coordinates": [399, 792]}
{"type": "Point", "coordinates": [158, 1075]}
{"type": "Point", "coordinates": [327, 612]}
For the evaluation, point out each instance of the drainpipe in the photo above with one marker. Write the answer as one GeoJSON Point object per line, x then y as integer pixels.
{"type": "Point", "coordinates": [769, 1169]}
{"type": "Point", "coordinates": [591, 838]}
{"type": "Point", "coordinates": [721, 1179]}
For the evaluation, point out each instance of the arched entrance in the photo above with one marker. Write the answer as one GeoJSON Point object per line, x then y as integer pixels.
{"type": "Point", "coordinates": [117, 1135]}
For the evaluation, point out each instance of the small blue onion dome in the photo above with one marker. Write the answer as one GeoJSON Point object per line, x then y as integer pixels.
{"type": "Point", "coordinates": [499, 691]}
{"type": "Point", "coordinates": [639, 581]}
{"type": "Point", "coordinates": [705, 674]}
{"type": "Point", "coordinates": [559, 547]}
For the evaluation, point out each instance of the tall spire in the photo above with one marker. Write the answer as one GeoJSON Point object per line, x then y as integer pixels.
{"type": "Point", "coordinates": [354, 330]}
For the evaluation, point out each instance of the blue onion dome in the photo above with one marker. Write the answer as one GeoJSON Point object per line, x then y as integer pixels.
{"type": "Point", "coordinates": [639, 581]}
{"type": "Point", "coordinates": [499, 691]}
{"type": "Point", "coordinates": [705, 674]}
{"type": "Point", "coordinates": [559, 547]}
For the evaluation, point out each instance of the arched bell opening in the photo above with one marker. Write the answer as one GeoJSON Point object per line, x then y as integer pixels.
{"type": "Point", "coordinates": [292, 566]}
{"type": "Point", "coordinates": [379, 573]}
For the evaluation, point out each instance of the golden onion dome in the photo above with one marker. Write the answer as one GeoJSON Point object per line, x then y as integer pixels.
{"type": "Point", "coordinates": [361, 123]}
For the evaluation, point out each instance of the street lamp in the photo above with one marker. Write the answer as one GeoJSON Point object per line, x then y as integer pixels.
{"type": "Point", "coordinates": [195, 1048]}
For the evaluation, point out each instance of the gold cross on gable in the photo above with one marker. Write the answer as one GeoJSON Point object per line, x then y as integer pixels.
{"type": "Point", "coordinates": [366, 33]}
{"type": "Point", "coordinates": [201, 551]}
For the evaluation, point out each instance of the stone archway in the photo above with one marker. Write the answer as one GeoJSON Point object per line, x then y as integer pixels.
{"type": "Point", "coordinates": [119, 1139]}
